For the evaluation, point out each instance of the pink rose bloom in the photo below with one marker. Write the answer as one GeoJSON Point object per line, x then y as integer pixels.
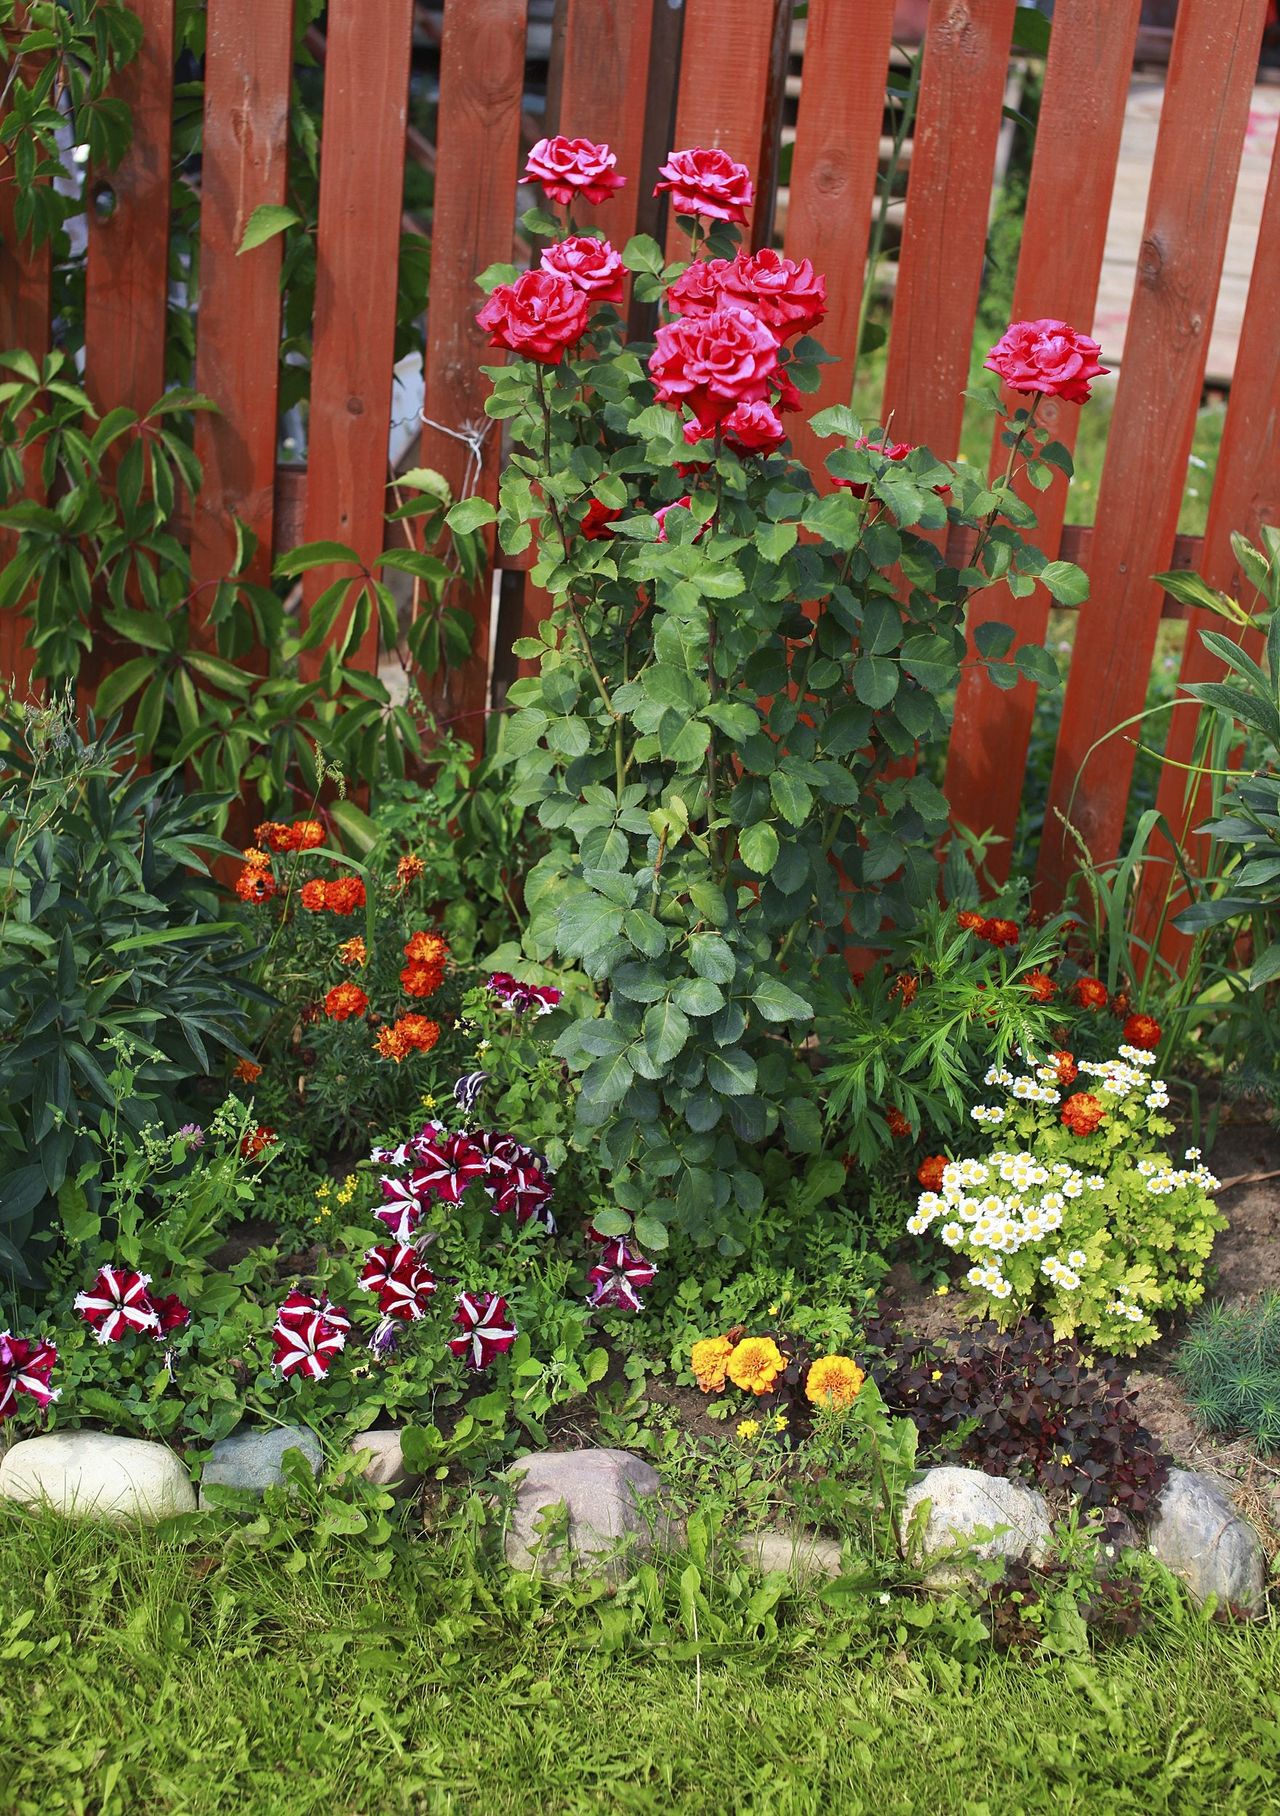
{"type": "Point", "coordinates": [574, 167]}
{"type": "Point", "coordinates": [660, 515]}
{"type": "Point", "coordinates": [755, 428]}
{"type": "Point", "coordinates": [592, 265]}
{"type": "Point", "coordinates": [707, 181]}
{"type": "Point", "coordinates": [1047, 357]}
{"type": "Point", "coordinates": [789, 298]}
{"type": "Point", "coordinates": [539, 315]}
{"type": "Point", "coordinates": [714, 362]}
{"type": "Point", "coordinates": [699, 290]}
{"type": "Point", "coordinates": [892, 450]}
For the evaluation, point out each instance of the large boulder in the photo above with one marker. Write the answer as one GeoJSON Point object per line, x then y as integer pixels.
{"type": "Point", "coordinates": [96, 1473]}
{"type": "Point", "coordinates": [1197, 1533]}
{"type": "Point", "coordinates": [593, 1508]}
{"type": "Point", "coordinates": [254, 1459]}
{"type": "Point", "coordinates": [965, 1502]}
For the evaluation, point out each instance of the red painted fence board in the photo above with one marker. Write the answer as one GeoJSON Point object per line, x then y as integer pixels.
{"type": "Point", "coordinates": [1211, 75]}
{"type": "Point", "coordinates": [358, 241]}
{"type": "Point", "coordinates": [1246, 495]}
{"type": "Point", "coordinates": [833, 177]}
{"type": "Point", "coordinates": [481, 85]}
{"type": "Point", "coordinates": [605, 56]}
{"type": "Point", "coordinates": [1072, 175]}
{"type": "Point", "coordinates": [248, 71]}
{"type": "Point", "coordinates": [966, 55]}
{"type": "Point", "coordinates": [725, 69]}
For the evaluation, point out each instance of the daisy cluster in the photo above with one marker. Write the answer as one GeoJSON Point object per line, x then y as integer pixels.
{"type": "Point", "coordinates": [1001, 1205]}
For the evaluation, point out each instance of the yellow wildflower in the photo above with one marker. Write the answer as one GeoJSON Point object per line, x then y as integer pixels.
{"type": "Point", "coordinates": [779, 1421]}
{"type": "Point", "coordinates": [748, 1428]}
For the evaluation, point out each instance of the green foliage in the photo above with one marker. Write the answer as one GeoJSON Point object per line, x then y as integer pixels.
{"type": "Point", "coordinates": [914, 1035]}
{"type": "Point", "coordinates": [1024, 1403]}
{"type": "Point", "coordinates": [718, 722]}
{"type": "Point", "coordinates": [1230, 1367]}
{"type": "Point", "coordinates": [111, 931]}
{"type": "Point", "coordinates": [1099, 1230]}
{"type": "Point", "coordinates": [57, 61]}
{"type": "Point", "coordinates": [101, 565]}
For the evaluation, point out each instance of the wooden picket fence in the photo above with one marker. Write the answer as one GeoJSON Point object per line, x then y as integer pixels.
{"type": "Point", "coordinates": [644, 75]}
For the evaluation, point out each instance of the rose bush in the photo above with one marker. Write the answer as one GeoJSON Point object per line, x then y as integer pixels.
{"type": "Point", "coordinates": [739, 662]}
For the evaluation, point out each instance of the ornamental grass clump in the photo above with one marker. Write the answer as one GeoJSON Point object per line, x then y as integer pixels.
{"type": "Point", "coordinates": [738, 658]}
{"type": "Point", "coordinates": [1076, 1210]}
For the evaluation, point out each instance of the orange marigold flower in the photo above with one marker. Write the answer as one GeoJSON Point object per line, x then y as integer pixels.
{"type": "Point", "coordinates": [275, 835]}
{"type": "Point", "coordinates": [756, 1364]}
{"type": "Point", "coordinates": [1041, 986]}
{"type": "Point", "coordinates": [710, 1359]}
{"type": "Point", "coordinates": [391, 1044]}
{"type": "Point", "coordinates": [905, 985]}
{"type": "Point", "coordinates": [344, 894]}
{"type": "Point", "coordinates": [834, 1381]}
{"type": "Point", "coordinates": [344, 1001]}
{"type": "Point", "coordinates": [930, 1171]}
{"type": "Point", "coordinates": [1143, 1031]}
{"type": "Point", "coordinates": [999, 933]}
{"type": "Point", "coordinates": [248, 1071]}
{"type": "Point", "coordinates": [426, 949]}
{"type": "Point", "coordinates": [1120, 1003]}
{"type": "Point", "coordinates": [898, 1124]}
{"type": "Point", "coordinates": [257, 859]}
{"type": "Point", "coordinates": [305, 835]}
{"type": "Point", "coordinates": [1068, 1070]}
{"type": "Point", "coordinates": [353, 951]}
{"type": "Point", "coordinates": [252, 1144]}
{"type": "Point", "coordinates": [254, 885]}
{"type": "Point", "coordinates": [1083, 1113]}
{"type": "Point", "coordinates": [971, 922]}
{"type": "Point", "coordinates": [1090, 993]}
{"type": "Point", "coordinates": [409, 869]}
{"type": "Point", "coordinates": [421, 980]}
{"type": "Point", "coordinates": [419, 1032]}
{"type": "Point", "coordinates": [314, 895]}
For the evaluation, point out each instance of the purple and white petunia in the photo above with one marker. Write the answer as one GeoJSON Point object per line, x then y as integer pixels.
{"type": "Point", "coordinates": [617, 1278]}
{"type": "Point", "coordinates": [487, 1331]}
{"type": "Point", "coordinates": [117, 1303]}
{"type": "Point", "coordinates": [467, 1090]}
{"type": "Point", "coordinates": [26, 1363]}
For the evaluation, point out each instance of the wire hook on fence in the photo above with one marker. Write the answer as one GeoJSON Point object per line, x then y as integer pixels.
{"type": "Point", "coordinates": [473, 436]}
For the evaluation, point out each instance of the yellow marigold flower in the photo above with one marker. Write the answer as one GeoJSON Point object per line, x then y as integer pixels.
{"type": "Point", "coordinates": [834, 1381]}
{"type": "Point", "coordinates": [756, 1364]}
{"type": "Point", "coordinates": [709, 1359]}
{"type": "Point", "coordinates": [748, 1428]}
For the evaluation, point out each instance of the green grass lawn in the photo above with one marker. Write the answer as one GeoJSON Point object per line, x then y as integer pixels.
{"type": "Point", "coordinates": [225, 1670]}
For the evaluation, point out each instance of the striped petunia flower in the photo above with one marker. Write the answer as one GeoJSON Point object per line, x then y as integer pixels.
{"type": "Point", "coordinates": [26, 1363]}
{"type": "Point", "coordinates": [618, 1276]}
{"type": "Point", "coordinates": [487, 1331]}
{"type": "Point", "coordinates": [526, 1190]}
{"type": "Point", "coordinates": [541, 998]}
{"type": "Point", "coordinates": [396, 1273]}
{"type": "Point", "coordinates": [447, 1167]}
{"type": "Point", "coordinates": [403, 1206]}
{"type": "Point", "coordinates": [116, 1303]}
{"type": "Point", "coordinates": [308, 1334]}
{"type": "Point", "coordinates": [467, 1090]}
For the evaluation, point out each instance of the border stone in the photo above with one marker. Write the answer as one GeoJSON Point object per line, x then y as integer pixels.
{"type": "Point", "coordinates": [1196, 1533]}
{"type": "Point", "coordinates": [593, 1508]}
{"type": "Point", "coordinates": [799, 1554]}
{"type": "Point", "coordinates": [97, 1474]}
{"type": "Point", "coordinates": [963, 1502]}
{"type": "Point", "coordinates": [253, 1459]}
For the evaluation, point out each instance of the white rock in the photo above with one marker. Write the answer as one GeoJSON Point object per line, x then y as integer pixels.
{"type": "Point", "coordinates": [800, 1554]}
{"type": "Point", "coordinates": [96, 1473]}
{"type": "Point", "coordinates": [963, 1502]}
{"type": "Point", "coordinates": [1197, 1533]}
{"type": "Point", "coordinates": [385, 1464]}
{"type": "Point", "coordinates": [598, 1506]}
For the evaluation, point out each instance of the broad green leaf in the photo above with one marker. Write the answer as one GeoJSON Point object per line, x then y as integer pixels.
{"type": "Point", "coordinates": [266, 221]}
{"type": "Point", "coordinates": [758, 847]}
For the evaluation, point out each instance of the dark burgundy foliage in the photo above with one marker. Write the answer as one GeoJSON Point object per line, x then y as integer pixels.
{"type": "Point", "coordinates": [1111, 1606]}
{"type": "Point", "coordinates": [1020, 1403]}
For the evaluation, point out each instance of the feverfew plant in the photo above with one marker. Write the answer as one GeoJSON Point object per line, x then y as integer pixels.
{"type": "Point", "coordinates": [1077, 1211]}
{"type": "Point", "coordinates": [737, 660]}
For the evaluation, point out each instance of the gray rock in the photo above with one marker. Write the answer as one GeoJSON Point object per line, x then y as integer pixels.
{"type": "Point", "coordinates": [583, 1507]}
{"type": "Point", "coordinates": [385, 1465]}
{"type": "Point", "coordinates": [1197, 1533]}
{"type": "Point", "coordinates": [96, 1473]}
{"type": "Point", "coordinates": [799, 1554]}
{"type": "Point", "coordinates": [252, 1459]}
{"type": "Point", "coordinates": [965, 1501]}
